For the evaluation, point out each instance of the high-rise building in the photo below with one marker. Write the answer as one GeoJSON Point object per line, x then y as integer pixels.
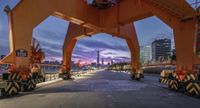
{"type": "Point", "coordinates": [145, 54]}
{"type": "Point", "coordinates": [161, 49]}
{"type": "Point", "coordinates": [98, 58]}
{"type": "Point", "coordinates": [102, 61]}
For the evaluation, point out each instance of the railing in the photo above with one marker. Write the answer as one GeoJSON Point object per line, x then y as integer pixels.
{"type": "Point", "coordinates": [51, 71]}
{"type": "Point", "coordinates": [51, 76]}
{"type": "Point", "coordinates": [158, 65]}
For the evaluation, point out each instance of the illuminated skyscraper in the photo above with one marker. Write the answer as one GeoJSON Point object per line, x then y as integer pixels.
{"type": "Point", "coordinates": [145, 54]}
{"type": "Point", "coordinates": [98, 58]}
{"type": "Point", "coordinates": [161, 49]}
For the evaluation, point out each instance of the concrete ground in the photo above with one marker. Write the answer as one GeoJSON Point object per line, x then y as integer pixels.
{"type": "Point", "coordinates": [102, 89]}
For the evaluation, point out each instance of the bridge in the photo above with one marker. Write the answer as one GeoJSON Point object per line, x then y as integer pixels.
{"type": "Point", "coordinates": [100, 88]}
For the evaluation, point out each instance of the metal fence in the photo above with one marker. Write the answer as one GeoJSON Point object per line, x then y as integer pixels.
{"type": "Point", "coordinates": [50, 71]}
{"type": "Point", "coordinates": [51, 76]}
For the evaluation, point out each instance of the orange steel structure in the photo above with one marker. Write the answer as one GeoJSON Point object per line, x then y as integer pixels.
{"type": "Point", "coordinates": [117, 20]}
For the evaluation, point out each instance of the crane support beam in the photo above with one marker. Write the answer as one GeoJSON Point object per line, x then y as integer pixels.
{"type": "Point", "coordinates": [184, 36]}
{"type": "Point", "coordinates": [129, 34]}
{"type": "Point", "coordinates": [73, 34]}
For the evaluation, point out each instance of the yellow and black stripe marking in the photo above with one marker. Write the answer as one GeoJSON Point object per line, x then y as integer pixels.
{"type": "Point", "coordinates": [165, 81]}
{"type": "Point", "coordinates": [14, 77]}
{"type": "Point", "coordinates": [12, 88]}
{"type": "Point", "coordinates": [193, 88]}
{"type": "Point", "coordinates": [190, 77]}
{"type": "Point", "coordinates": [31, 84]}
{"type": "Point", "coordinates": [173, 85]}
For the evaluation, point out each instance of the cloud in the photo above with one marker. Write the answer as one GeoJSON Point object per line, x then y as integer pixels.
{"type": "Point", "coordinates": [122, 58]}
{"type": "Point", "coordinates": [95, 44]}
{"type": "Point", "coordinates": [51, 42]}
{"type": "Point", "coordinates": [109, 53]}
{"type": "Point", "coordinates": [53, 58]}
{"type": "Point", "coordinates": [49, 36]}
{"type": "Point", "coordinates": [79, 54]}
{"type": "Point", "coordinates": [86, 49]}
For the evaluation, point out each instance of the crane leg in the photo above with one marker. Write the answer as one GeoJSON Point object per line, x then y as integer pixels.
{"type": "Point", "coordinates": [129, 34]}
{"type": "Point", "coordinates": [73, 33]}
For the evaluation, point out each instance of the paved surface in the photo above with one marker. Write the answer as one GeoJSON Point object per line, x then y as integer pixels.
{"type": "Point", "coordinates": [103, 89]}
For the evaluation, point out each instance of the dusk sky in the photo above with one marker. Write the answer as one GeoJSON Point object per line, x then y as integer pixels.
{"type": "Point", "coordinates": [51, 33]}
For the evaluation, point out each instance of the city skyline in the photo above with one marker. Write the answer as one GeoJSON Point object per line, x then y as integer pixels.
{"type": "Point", "coordinates": [53, 29]}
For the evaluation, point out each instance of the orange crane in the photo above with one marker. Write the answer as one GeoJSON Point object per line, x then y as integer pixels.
{"type": "Point", "coordinates": [116, 20]}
